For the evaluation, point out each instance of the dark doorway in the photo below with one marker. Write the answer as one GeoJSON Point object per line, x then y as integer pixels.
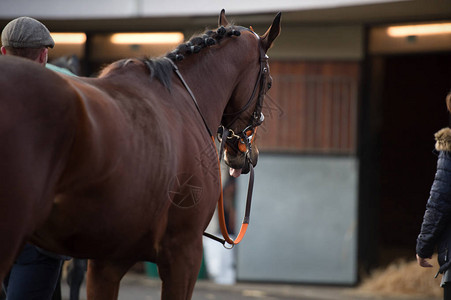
{"type": "Point", "coordinates": [403, 107]}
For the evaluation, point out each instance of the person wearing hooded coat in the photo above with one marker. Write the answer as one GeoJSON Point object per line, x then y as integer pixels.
{"type": "Point", "coordinates": [436, 227]}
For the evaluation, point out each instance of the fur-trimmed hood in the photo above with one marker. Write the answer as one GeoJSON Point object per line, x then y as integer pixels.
{"type": "Point", "coordinates": [443, 138]}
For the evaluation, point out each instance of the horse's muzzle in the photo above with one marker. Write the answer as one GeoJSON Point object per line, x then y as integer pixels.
{"type": "Point", "coordinates": [239, 161]}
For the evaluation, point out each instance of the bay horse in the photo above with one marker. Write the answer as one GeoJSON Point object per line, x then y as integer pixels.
{"type": "Point", "coordinates": [122, 168]}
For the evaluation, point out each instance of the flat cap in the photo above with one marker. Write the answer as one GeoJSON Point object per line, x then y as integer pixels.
{"type": "Point", "coordinates": [26, 32]}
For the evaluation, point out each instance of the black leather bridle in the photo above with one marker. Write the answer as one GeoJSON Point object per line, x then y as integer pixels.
{"type": "Point", "coordinates": [225, 133]}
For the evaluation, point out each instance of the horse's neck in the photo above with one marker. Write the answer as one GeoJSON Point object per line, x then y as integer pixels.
{"type": "Point", "coordinates": [212, 79]}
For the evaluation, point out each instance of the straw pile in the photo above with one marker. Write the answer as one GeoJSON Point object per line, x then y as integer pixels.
{"type": "Point", "coordinates": [404, 279]}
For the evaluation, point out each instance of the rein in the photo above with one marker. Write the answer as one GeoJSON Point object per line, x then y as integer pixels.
{"type": "Point", "coordinates": [221, 212]}
{"type": "Point", "coordinates": [245, 137]}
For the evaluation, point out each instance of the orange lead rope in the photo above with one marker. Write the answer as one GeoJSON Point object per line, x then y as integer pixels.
{"type": "Point", "coordinates": [221, 215]}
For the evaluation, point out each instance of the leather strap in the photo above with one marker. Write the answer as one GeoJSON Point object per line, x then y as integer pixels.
{"type": "Point", "coordinates": [221, 212]}
{"type": "Point", "coordinates": [176, 70]}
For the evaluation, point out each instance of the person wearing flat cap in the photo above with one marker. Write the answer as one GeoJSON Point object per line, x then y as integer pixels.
{"type": "Point", "coordinates": [35, 272]}
{"type": "Point", "coordinates": [27, 37]}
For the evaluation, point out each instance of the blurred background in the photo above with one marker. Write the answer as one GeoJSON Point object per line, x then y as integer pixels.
{"type": "Point", "coordinates": [346, 148]}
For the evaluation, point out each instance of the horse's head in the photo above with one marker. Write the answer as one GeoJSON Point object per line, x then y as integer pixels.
{"type": "Point", "coordinates": [243, 113]}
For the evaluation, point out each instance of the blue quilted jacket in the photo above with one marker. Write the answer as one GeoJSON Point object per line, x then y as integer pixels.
{"type": "Point", "coordinates": [436, 226]}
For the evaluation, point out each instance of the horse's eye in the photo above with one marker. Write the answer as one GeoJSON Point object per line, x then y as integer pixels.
{"type": "Point", "coordinates": [269, 85]}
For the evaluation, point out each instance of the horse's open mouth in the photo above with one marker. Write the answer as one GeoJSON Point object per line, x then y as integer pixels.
{"type": "Point", "coordinates": [238, 163]}
{"type": "Point", "coordinates": [235, 172]}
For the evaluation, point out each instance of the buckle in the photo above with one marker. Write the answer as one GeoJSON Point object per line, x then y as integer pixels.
{"type": "Point", "coordinates": [258, 120]}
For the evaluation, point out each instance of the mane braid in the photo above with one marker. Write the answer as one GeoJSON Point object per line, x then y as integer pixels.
{"type": "Point", "coordinates": [161, 68]}
{"type": "Point", "coordinates": [209, 38]}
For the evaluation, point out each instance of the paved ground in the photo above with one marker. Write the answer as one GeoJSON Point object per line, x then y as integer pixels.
{"type": "Point", "coordinates": [140, 287]}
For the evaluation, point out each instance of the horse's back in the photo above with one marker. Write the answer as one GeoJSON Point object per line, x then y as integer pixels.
{"type": "Point", "coordinates": [36, 130]}
{"type": "Point", "coordinates": [37, 116]}
{"type": "Point", "coordinates": [64, 153]}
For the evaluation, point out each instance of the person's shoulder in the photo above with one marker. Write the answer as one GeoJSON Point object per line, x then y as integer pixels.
{"type": "Point", "coordinates": [443, 139]}
{"type": "Point", "coordinates": [59, 69]}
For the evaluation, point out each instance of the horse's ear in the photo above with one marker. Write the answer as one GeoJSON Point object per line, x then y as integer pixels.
{"type": "Point", "coordinates": [272, 32]}
{"type": "Point", "coordinates": [222, 19]}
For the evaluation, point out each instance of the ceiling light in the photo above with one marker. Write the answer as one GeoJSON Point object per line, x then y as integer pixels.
{"type": "Point", "coordinates": [147, 38]}
{"type": "Point", "coordinates": [425, 29]}
{"type": "Point", "coordinates": [69, 37]}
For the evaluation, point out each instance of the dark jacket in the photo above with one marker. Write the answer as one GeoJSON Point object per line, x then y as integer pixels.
{"type": "Point", "coordinates": [436, 227]}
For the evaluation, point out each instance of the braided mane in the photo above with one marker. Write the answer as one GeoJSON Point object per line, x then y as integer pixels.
{"type": "Point", "coordinates": [197, 43]}
{"type": "Point", "coordinates": [161, 68]}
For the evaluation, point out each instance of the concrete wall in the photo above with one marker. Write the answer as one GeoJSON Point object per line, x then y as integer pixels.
{"type": "Point", "coordinates": [303, 224]}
